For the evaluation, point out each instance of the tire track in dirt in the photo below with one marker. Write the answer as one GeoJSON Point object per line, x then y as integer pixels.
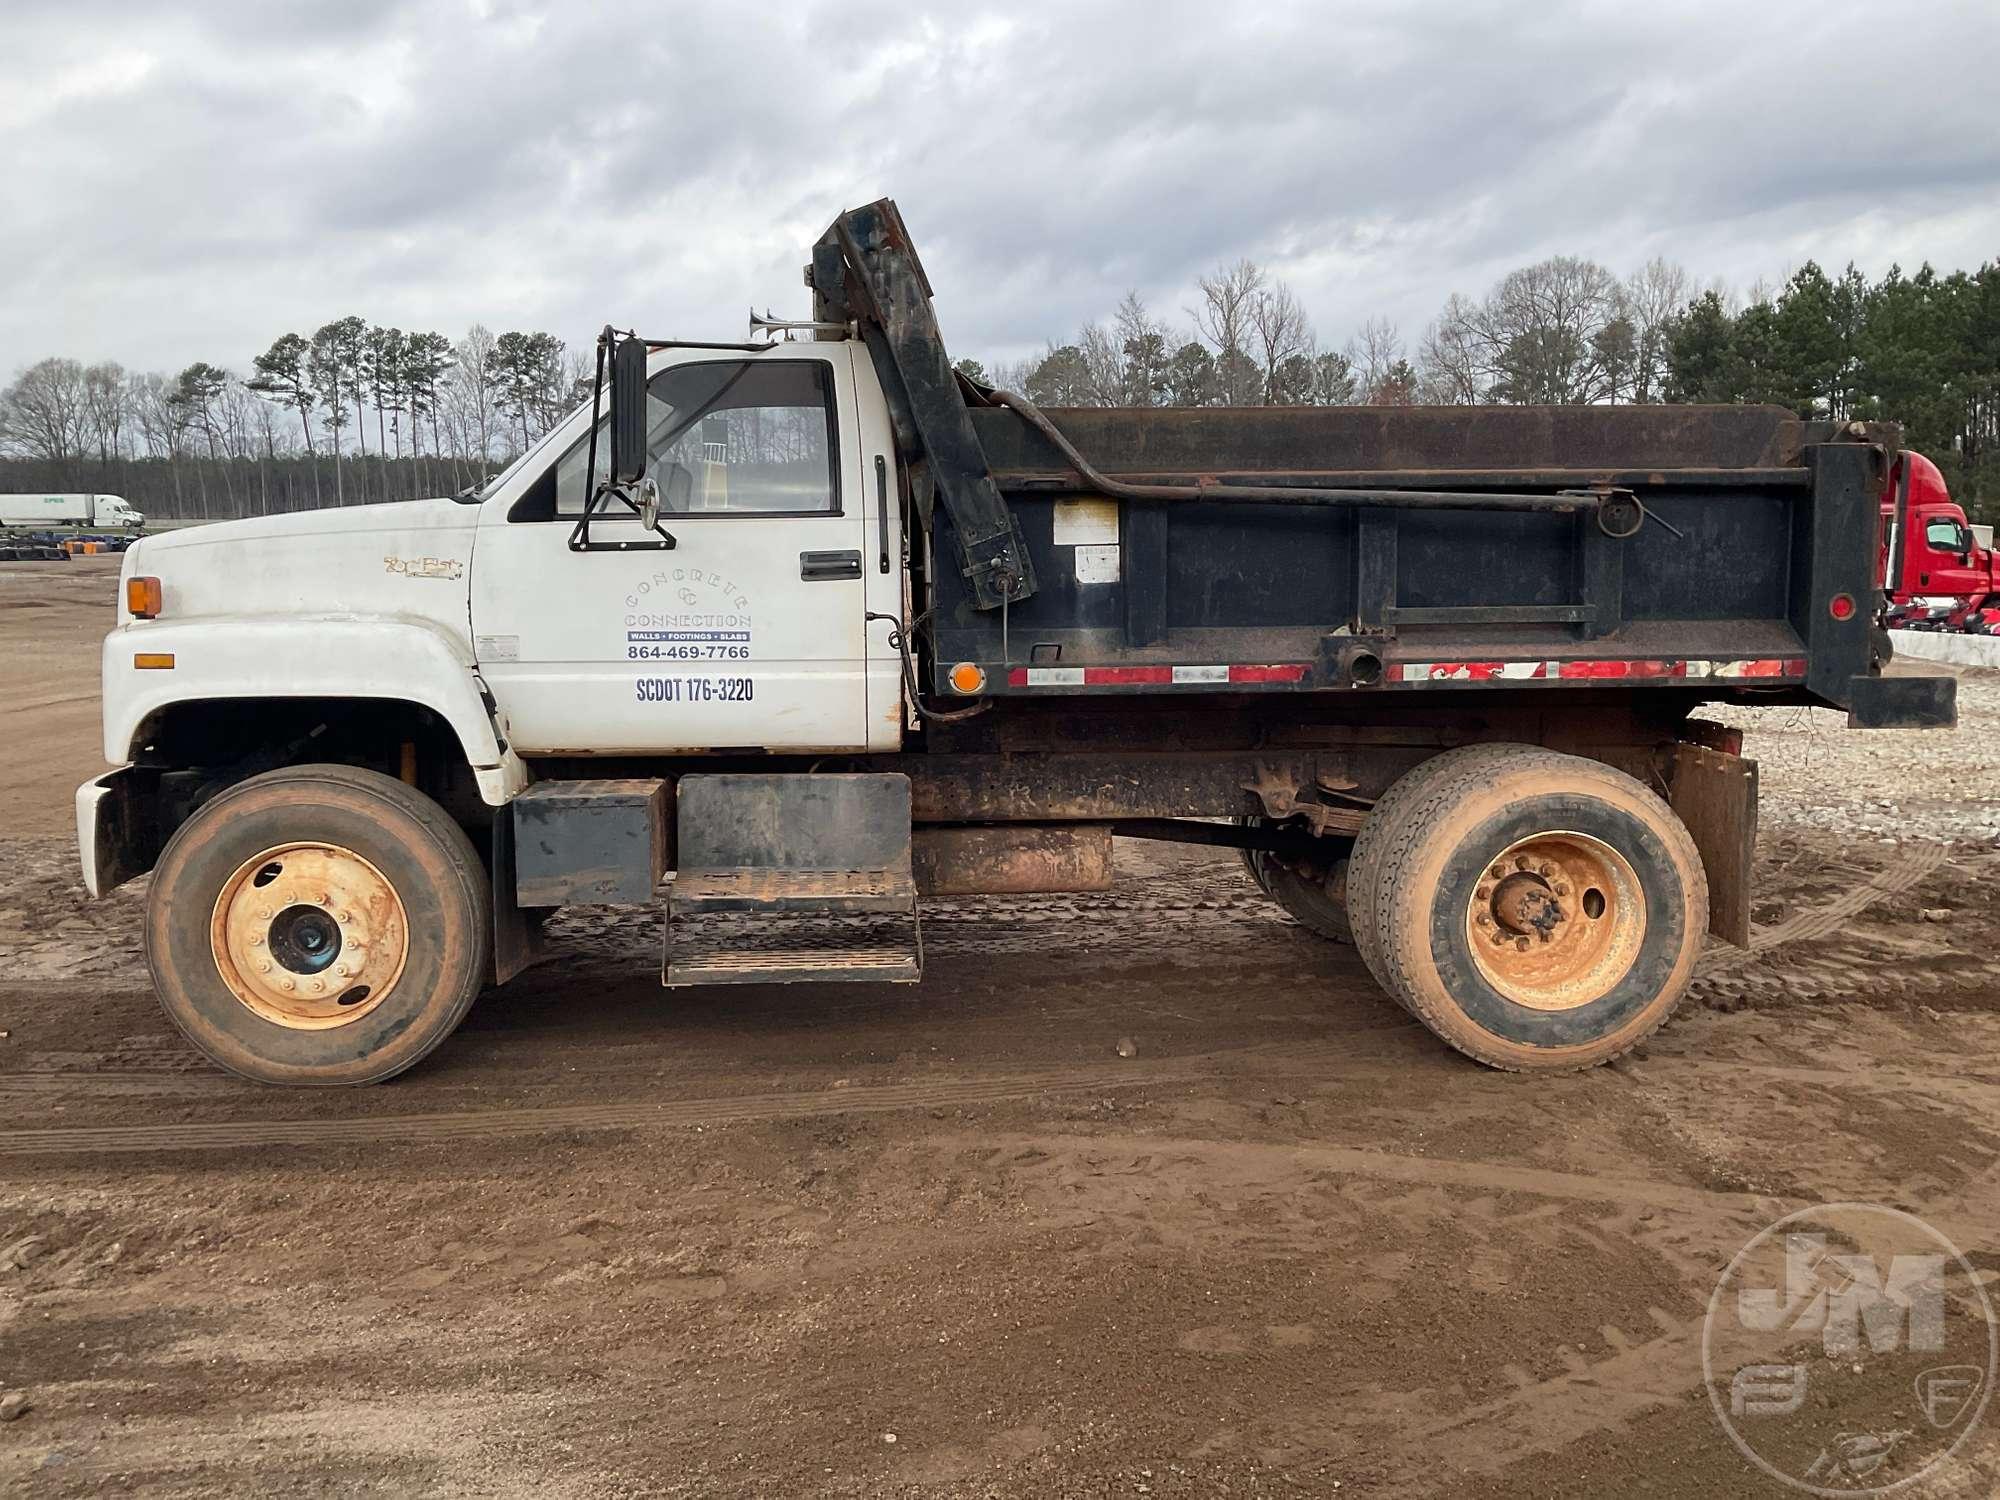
{"type": "Point", "coordinates": [423, 1129]}
{"type": "Point", "coordinates": [1892, 880]}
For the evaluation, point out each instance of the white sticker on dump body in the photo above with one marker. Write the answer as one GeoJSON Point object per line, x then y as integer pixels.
{"type": "Point", "coordinates": [1086, 523]}
{"type": "Point", "coordinates": [1097, 564]}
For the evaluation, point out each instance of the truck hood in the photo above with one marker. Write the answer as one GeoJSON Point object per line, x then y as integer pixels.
{"type": "Point", "coordinates": [409, 560]}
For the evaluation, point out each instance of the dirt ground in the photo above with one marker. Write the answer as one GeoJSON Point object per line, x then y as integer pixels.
{"type": "Point", "coordinates": [949, 1241]}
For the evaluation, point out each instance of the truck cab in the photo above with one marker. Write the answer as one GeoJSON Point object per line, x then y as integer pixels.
{"type": "Point", "coordinates": [1929, 549]}
{"type": "Point", "coordinates": [114, 510]}
{"type": "Point", "coordinates": [757, 613]}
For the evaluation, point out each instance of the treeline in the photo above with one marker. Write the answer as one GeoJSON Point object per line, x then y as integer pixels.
{"type": "Point", "coordinates": [1920, 349]}
{"type": "Point", "coordinates": [349, 414]}
{"type": "Point", "coordinates": [354, 412]}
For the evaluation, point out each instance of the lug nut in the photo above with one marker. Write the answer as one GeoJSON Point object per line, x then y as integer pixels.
{"type": "Point", "coordinates": [291, 984]}
{"type": "Point", "coordinates": [264, 967]}
{"type": "Point", "coordinates": [1548, 867]}
{"type": "Point", "coordinates": [1499, 938]}
{"type": "Point", "coordinates": [1521, 944]}
{"type": "Point", "coordinates": [1547, 935]}
{"type": "Point", "coordinates": [1484, 893]}
{"type": "Point", "coordinates": [1483, 919]}
{"type": "Point", "coordinates": [1562, 888]}
{"type": "Point", "coordinates": [1498, 872]}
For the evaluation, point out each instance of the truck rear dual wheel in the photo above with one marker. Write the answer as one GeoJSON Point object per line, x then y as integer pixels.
{"type": "Point", "coordinates": [1313, 894]}
{"type": "Point", "coordinates": [318, 925]}
{"type": "Point", "coordinates": [1535, 910]}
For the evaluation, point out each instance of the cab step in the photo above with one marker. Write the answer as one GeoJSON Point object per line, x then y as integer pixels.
{"type": "Point", "coordinates": [792, 879]}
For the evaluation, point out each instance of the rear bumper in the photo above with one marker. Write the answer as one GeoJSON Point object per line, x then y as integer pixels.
{"type": "Point", "coordinates": [116, 832]}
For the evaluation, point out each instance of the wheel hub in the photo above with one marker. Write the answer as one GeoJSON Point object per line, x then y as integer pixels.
{"type": "Point", "coordinates": [309, 935]}
{"type": "Point", "coordinates": [1556, 920]}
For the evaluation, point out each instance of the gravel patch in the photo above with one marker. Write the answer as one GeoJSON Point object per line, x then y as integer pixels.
{"type": "Point", "coordinates": [1880, 785]}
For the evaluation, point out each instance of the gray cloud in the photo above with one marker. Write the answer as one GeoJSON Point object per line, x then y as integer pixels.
{"type": "Point", "coordinates": [190, 181]}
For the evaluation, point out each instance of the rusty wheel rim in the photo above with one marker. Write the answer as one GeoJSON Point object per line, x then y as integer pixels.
{"type": "Point", "coordinates": [309, 936]}
{"type": "Point", "coordinates": [1556, 920]}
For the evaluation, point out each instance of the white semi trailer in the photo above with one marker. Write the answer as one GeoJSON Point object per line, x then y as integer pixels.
{"type": "Point", "coordinates": [74, 511]}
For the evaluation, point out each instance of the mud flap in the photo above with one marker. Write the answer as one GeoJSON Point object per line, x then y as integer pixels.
{"type": "Point", "coordinates": [1714, 794]}
{"type": "Point", "coordinates": [517, 934]}
{"type": "Point", "coordinates": [1915, 702]}
{"type": "Point", "coordinates": [117, 832]}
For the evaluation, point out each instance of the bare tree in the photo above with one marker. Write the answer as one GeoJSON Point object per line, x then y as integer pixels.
{"type": "Point", "coordinates": [1655, 294]}
{"type": "Point", "coordinates": [1228, 298]}
{"type": "Point", "coordinates": [45, 413]}
{"type": "Point", "coordinates": [1282, 332]}
{"type": "Point", "coordinates": [1542, 328]}
{"type": "Point", "coordinates": [1373, 353]}
{"type": "Point", "coordinates": [1451, 370]}
{"type": "Point", "coordinates": [106, 410]}
{"type": "Point", "coordinates": [163, 421]}
{"type": "Point", "coordinates": [472, 394]}
{"type": "Point", "coordinates": [1104, 366]}
{"type": "Point", "coordinates": [1556, 332]}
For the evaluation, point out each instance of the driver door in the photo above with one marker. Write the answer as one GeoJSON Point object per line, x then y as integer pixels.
{"type": "Point", "coordinates": [749, 632]}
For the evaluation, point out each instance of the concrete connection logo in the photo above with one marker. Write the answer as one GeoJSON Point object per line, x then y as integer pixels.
{"type": "Point", "coordinates": [1849, 1349]}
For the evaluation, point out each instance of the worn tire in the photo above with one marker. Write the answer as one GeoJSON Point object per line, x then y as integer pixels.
{"type": "Point", "coordinates": [1602, 979]}
{"type": "Point", "coordinates": [1385, 829]}
{"type": "Point", "coordinates": [1319, 906]}
{"type": "Point", "coordinates": [435, 927]}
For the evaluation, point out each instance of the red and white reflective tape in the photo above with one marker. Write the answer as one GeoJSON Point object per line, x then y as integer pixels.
{"type": "Point", "coordinates": [1781, 667]}
{"type": "Point", "coordinates": [1183, 676]}
{"type": "Point", "coordinates": [1411, 673]}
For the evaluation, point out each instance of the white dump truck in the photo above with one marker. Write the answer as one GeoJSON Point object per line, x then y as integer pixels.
{"type": "Point", "coordinates": [73, 512]}
{"type": "Point", "coordinates": [779, 638]}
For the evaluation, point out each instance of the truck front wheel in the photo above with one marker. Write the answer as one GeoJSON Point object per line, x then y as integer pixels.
{"type": "Point", "coordinates": [318, 925]}
{"type": "Point", "coordinates": [1535, 910]}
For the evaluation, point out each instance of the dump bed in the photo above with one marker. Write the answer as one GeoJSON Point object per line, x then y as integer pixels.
{"type": "Point", "coordinates": [1724, 551]}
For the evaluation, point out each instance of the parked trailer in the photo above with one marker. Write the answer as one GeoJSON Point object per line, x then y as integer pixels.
{"type": "Point", "coordinates": [780, 638]}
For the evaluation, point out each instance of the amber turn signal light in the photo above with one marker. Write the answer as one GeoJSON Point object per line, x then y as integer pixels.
{"type": "Point", "coordinates": [967, 677]}
{"type": "Point", "coordinates": [142, 598]}
{"type": "Point", "coordinates": [153, 661]}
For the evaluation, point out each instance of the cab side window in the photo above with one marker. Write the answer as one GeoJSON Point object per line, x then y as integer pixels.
{"type": "Point", "coordinates": [1945, 535]}
{"type": "Point", "coordinates": [724, 438]}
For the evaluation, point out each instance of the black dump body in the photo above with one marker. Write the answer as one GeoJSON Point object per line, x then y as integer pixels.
{"type": "Point", "coordinates": [1728, 552]}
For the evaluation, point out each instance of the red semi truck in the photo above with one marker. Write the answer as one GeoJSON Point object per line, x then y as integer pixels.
{"type": "Point", "coordinates": [1934, 569]}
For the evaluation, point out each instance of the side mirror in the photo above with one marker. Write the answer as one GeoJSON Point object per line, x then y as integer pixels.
{"type": "Point", "coordinates": [628, 411]}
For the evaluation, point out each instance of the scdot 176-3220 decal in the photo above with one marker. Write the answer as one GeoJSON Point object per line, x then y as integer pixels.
{"type": "Point", "coordinates": [695, 689]}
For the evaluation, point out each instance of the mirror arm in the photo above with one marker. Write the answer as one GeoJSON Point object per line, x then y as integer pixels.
{"type": "Point", "coordinates": [580, 539]}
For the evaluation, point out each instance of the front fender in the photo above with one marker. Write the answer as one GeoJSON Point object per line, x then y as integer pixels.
{"type": "Point", "coordinates": [413, 661]}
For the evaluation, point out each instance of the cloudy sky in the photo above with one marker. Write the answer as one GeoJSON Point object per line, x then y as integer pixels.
{"type": "Point", "coordinates": [189, 180]}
